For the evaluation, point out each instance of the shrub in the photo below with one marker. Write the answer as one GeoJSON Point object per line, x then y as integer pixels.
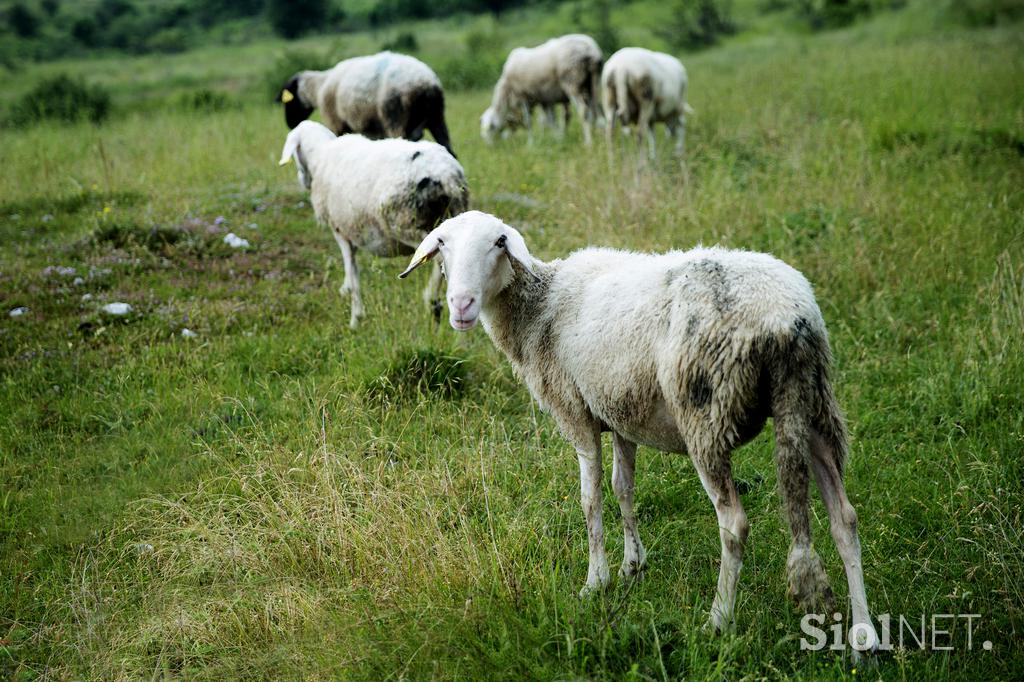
{"type": "Point", "coordinates": [64, 99]}
{"type": "Point", "coordinates": [985, 12]}
{"type": "Point", "coordinates": [205, 100]}
{"type": "Point", "coordinates": [169, 40]}
{"type": "Point", "coordinates": [825, 14]}
{"type": "Point", "coordinates": [403, 42]}
{"type": "Point", "coordinates": [22, 20]}
{"type": "Point", "coordinates": [696, 25]}
{"type": "Point", "coordinates": [292, 18]}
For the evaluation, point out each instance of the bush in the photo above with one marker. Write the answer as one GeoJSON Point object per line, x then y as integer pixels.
{"type": "Point", "coordinates": [169, 40]}
{"type": "Point", "coordinates": [22, 20]}
{"type": "Point", "coordinates": [292, 18]}
{"type": "Point", "coordinates": [826, 14]}
{"type": "Point", "coordinates": [696, 25]}
{"type": "Point", "coordinates": [985, 12]}
{"type": "Point", "coordinates": [62, 98]}
{"type": "Point", "coordinates": [205, 100]}
{"type": "Point", "coordinates": [403, 42]}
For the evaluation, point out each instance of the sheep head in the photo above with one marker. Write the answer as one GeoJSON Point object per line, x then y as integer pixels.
{"type": "Point", "coordinates": [478, 252]}
{"type": "Point", "coordinates": [295, 110]}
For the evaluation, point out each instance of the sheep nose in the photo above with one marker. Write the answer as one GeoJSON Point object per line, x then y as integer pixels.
{"type": "Point", "coordinates": [461, 303]}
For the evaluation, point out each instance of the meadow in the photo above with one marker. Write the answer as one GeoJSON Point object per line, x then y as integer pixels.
{"type": "Point", "coordinates": [281, 497]}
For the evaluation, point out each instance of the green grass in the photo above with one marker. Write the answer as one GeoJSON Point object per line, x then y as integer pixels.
{"type": "Point", "coordinates": [250, 504]}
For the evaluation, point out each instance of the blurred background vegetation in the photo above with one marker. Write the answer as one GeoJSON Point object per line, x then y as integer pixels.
{"type": "Point", "coordinates": [54, 52]}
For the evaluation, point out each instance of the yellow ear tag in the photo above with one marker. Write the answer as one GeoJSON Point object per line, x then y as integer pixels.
{"type": "Point", "coordinates": [287, 96]}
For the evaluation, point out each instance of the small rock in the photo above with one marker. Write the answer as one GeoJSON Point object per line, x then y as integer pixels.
{"type": "Point", "coordinates": [234, 241]}
{"type": "Point", "coordinates": [47, 218]}
{"type": "Point", "coordinates": [188, 333]}
{"type": "Point", "coordinates": [18, 312]}
{"type": "Point", "coordinates": [62, 270]}
{"type": "Point", "coordinates": [143, 548]}
{"type": "Point", "coordinates": [219, 220]}
{"type": "Point", "coordinates": [301, 204]}
{"type": "Point", "coordinates": [78, 281]}
{"type": "Point", "coordinates": [86, 297]}
{"type": "Point", "coordinates": [117, 308]}
{"type": "Point", "coordinates": [253, 226]}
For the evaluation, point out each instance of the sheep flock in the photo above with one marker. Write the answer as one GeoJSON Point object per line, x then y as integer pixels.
{"type": "Point", "coordinates": [686, 352]}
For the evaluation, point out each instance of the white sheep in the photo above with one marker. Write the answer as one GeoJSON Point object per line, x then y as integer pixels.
{"type": "Point", "coordinates": [381, 95]}
{"type": "Point", "coordinates": [377, 195]}
{"type": "Point", "coordinates": [562, 70]}
{"type": "Point", "coordinates": [685, 352]}
{"type": "Point", "coordinates": [640, 88]}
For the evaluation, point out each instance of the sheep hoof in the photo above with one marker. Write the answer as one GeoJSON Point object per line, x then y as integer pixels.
{"type": "Point", "coordinates": [632, 572]}
{"type": "Point", "coordinates": [345, 290]}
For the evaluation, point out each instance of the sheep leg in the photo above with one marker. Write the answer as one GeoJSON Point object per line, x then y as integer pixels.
{"type": "Point", "coordinates": [590, 495]}
{"type": "Point", "coordinates": [432, 294]}
{"type": "Point", "coordinates": [808, 583]}
{"type": "Point", "coordinates": [584, 111]}
{"type": "Point", "coordinates": [549, 119]}
{"type": "Point", "coordinates": [843, 520]}
{"type": "Point", "coordinates": [715, 473]}
{"type": "Point", "coordinates": [634, 555]}
{"type": "Point", "coordinates": [645, 127]}
{"type": "Point", "coordinates": [527, 123]}
{"type": "Point", "coordinates": [351, 283]}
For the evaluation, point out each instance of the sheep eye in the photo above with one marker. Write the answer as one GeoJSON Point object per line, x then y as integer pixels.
{"type": "Point", "coordinates": [440, 242]}
{"type": "Point", "coordinates": [501, 242]}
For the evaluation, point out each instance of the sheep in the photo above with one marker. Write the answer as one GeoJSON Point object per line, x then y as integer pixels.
{"type": "Point", "coordinates": [684, 352]}
{"type": "Point", "coordinates": [560, 71]}
{"type": "Point", "coordinates": [377, 195]}
{"type": "Point", "coordinates": [381, 95]}
{"type": "Point", "coordinates": [640, 88]}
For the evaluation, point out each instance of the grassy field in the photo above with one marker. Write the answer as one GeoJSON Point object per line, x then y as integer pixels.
{"type": "Point", "coordinates": [281, 497]}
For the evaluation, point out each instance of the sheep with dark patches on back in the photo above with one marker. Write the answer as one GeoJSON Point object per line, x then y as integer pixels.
{"type": "Point", "coordinates": [686, 352]}
{"type": "Point", "coordinates": [381, 95]}
{"type": "Point", "coordinates": [382, 196]}
{"type": "Point", "coordinates": [640, 88]}
{"type": "Point", "coordinates": [562, 70]}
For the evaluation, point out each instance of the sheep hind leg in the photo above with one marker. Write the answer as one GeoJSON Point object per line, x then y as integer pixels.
{"type": "Point", "coordinates": [808, 582]}
{"type": "Point", "coordinates": [843, 519]}
{"type": "Point", "coordinates": [715, 471]}
{"type": "Point", "coordinates": [590, 495]}
{"type": "Point", "coordinates": [351, 284]}
{"type": "Point", "coordinates": [634, 556]}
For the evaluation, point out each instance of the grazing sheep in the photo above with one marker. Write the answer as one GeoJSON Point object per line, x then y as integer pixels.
{"type": "Point", "coordinates": [685, 352]}
{"type": "Point", "coordinates": [381, 95]}
{"type": "Point", "coordinates": [381, 196]}
{"type": "Point", "coordinates": [641, 88]}
{"type": "Point", "coordinates": [560, 71]}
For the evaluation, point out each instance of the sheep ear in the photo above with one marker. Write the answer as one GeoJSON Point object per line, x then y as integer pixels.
{"type": "Point", "coordinates": [427, 249]}
{"type": "Point", "coordinates": [291, 145]}
{"type": "Point", "coordinates": [515, 247]}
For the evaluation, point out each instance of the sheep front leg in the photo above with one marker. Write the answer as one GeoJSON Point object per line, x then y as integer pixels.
{"type": "Point", "coordinates": [645, 128]}
{"type": "Point", "coordinates": [432, 294]}
{"type": "Point", "coordinates": [584, 111]}
{"type": "Point", "coordinates": [527, 123]}
{"type": "Point", "coordinates": [351, 283]}
{"type": "Point", "coordinates": [634, 556]}
{"type": "Point", "coordinates": [715, 473]}
{"type": "Point", "coordinates": [590, 496]}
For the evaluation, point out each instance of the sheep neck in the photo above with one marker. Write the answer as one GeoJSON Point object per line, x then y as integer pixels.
{"type": "Point", "coordinates": [515, 313]}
